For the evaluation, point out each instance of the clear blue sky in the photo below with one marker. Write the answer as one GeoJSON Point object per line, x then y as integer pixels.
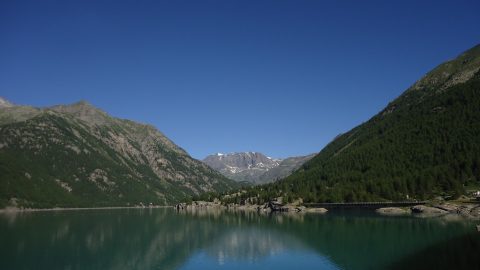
{"type": "Point", "coordinates": [279, 77]}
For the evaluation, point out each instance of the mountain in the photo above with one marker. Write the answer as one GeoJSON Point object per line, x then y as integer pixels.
{"type": "Point", "coordinates": [285, 168]}
{"type": "Point", "coordinates": [242, 166]}
{"type": "Point", "coordinates": [79, 156]}
{"type": "Point", "coordinates": [253, 167]}
{"type": "Point", "coordinates": [425, 143]}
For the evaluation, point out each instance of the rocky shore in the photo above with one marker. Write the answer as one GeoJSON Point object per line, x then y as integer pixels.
{"type": "Point", "coordinates": [467, 210]}
{"type": "Point", "coordinates": [269, 207]}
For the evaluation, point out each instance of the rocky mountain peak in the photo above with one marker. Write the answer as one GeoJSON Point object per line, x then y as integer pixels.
{"type": "Point", "coordinates": [81, 106]}
{"type": "Point", "coordinates": [253, 167]}
{"type": "Point", "coordinates": [239, 161]}
{"type": "Point", "coordinates": [84, 111]}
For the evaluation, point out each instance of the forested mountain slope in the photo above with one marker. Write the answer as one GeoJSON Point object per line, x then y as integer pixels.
{"type": "Point", "coordinates": [423, 144]}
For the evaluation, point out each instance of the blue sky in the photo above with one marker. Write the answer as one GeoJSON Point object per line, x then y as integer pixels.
{"type": "Point", "coordinates": [279, 77]}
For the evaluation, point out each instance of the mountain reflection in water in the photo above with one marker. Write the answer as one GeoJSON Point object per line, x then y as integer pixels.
{"type": "Point", "coordinates": [165, 239]}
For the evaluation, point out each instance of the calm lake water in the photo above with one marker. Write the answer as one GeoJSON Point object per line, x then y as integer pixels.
{"type": "Point", "coordinates": [165, 239]}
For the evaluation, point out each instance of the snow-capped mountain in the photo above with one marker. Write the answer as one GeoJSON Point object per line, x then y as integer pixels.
{"type": "Point", "coordinates": [253, 167]}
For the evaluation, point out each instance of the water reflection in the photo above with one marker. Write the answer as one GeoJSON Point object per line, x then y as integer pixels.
{"type": "Point", "coordinates": [250, 245]}
{"type": "Point", "coordinates": [165, 239]}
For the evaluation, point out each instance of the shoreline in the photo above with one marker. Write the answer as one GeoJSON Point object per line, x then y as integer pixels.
{"type": "Point", "coordinates": [468, 210]}
{"type": "Point", "coordinates": [433, 210]}
{"type": "Point", "coordinates": [21, 210]}
{"type": "Point", "coordinates": [465, 210]}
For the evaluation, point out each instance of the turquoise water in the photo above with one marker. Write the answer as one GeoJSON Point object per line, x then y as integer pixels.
{"type": "Point", "coordinates": [165, 239]}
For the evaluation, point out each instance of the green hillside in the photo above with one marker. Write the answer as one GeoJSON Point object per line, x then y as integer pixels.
{"type": "Point", "coordinates": [426, 143]}
{"type": "Point", "coordinates": [79, 156]}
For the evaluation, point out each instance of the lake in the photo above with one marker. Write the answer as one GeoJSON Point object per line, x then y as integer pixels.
{"type": "Point", "coordinates": [162, 238]}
